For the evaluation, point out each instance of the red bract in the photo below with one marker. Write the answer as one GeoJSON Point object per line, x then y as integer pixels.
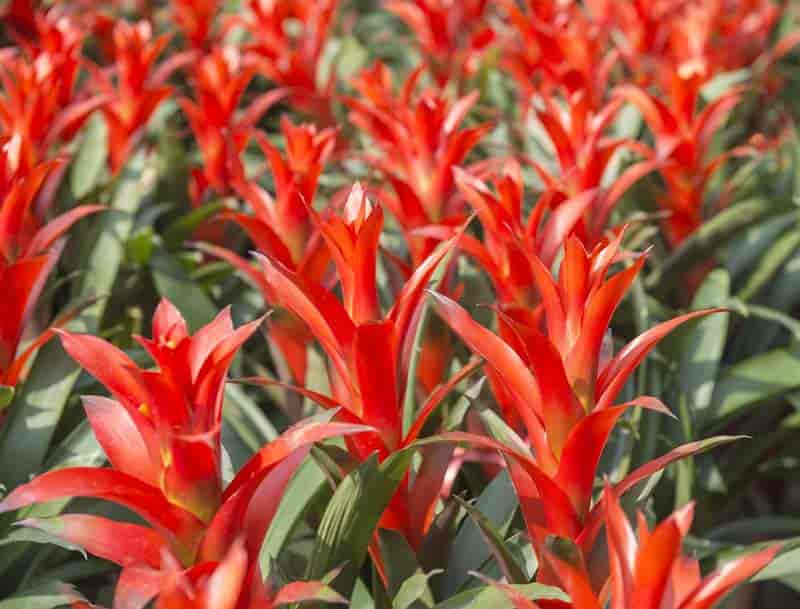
{"type": "Point", "coordinates": [556, 380]}
{"type": "Point", "coordinates": [221, 129]}
{"type": "Point", "coordinates": [558, 46]}
{"type": "Point", "coordinates": [28, 251]}
{"type": "Point", "coordinates": [135, 85]}
{"type": "Point", "coordinates": [290, 55]}
{"type": "Point", "coordinates": [698, 36]}
{"type": "Point", "coordinates": [453, 35]}
{"type": "Point", "coordinates": [651, 572]}
{"type": "Point", "coordinates": [20, 17]}
{"type": "Point", "coordinates": [683, 135]}
{"type": "Point", "coordinates": [227, 584]}
{"type": "Point", "coordinates": [368, 352]}
{"type": "Point", "coordinates": [40, 105]}
{"type": "Point", "coordinates": [420, 141]}
{"type": "Point", "coordinates": [161, 433]}
{"type": "Point", "coordinates": [509, 238]}
{"type": "Point", "coordinates": [196, 19]}
{"type": "Point", "coordinates": [282, 229]}
{"type": "Point", "coordinates": [583, 154]}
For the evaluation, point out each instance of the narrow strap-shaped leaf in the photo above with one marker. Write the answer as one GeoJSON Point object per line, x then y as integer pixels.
{"type": "Point", "coordinates": [347, 526]}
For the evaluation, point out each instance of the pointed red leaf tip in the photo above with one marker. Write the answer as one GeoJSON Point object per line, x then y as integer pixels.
{"type": "Point", "coordinates": [127, 437]}
{"type": "Point", "coordinates": [565, 559]}
{"type": "Point", "coordinates": [615, 373]}
{"type": "Point", "coordinates": [495, 351]}
{"type": "Point", "coordinates": [321, 311]}
{"type": "Point", "coordinates": [353, 241]}
{"type": "Point", "coordinates": [210, 585]}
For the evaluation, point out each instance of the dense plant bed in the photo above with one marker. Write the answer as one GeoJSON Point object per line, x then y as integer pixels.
{"type": "Point", "coordinates": [399, 304]}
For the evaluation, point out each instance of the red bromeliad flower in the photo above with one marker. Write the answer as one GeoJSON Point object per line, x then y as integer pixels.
{"type": "Point", "coordinates": [282, 228]}
{"type": "Point", "coordinates": [562, 61]}
{"type": "Point", "coordinates": [556, 379]}
{"type": "Point", "coordinates": [196, 19]}
{"type": "Point", "coordinates": [509, 239]}
{"type": "Point", "coordinates": [651, 572]}
{"type": "Point", "coordinates": [290, 55]}
{"type": "Point", "coordinates": [20, 17]}
{"type": "Point", "coordinates": [453, 35]}
{"type": "Point", "coordinates": [420, 142]}
{"type": "Point", "coordinates": [562, 385]}
{"type": "Point", "coordinates": [700, 41]}
{"type": "Point", "coordinates": [559, 46]}
{"type": "Point", "coordinates": [28, 251]}
{"type": "Point", "coordinates": [712, 36]}
{"type": "Point", "coordinates": [368, 352]}
{"type": "Point", "coordinates": [583, 154]}
{"type": "Point", "coordinates": [222, 131]}
{"type": "Point", "coordinates": [40, 104]}
{"type": "Point", "coordinates": [138, 87]}
{"type": "Point", "coordinates": [226, 584]}
{"type": "Point", "coordinates": [684, 134]}
{"type": "Point", "coordinates": [161, 433]}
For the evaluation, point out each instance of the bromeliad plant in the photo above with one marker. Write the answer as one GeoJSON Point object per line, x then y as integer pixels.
{"type": "Point", "coordinates": [650, 571]}
{"type": "Point", "coordinates": [374, 170]}
{"type": "Point", "coordinates": [161, 434]}
{"type": "Point", "coordinates": [368, 352]}
{"type": "Point", "coordinates": [420, 140]}
{"type": "Point", "coordinates": [562, 384]}
{"type": "Point", "coordinates": [281, 227]}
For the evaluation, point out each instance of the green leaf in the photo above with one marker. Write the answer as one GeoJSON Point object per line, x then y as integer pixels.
{"type": "Point", "coordinates": [498, 503]}
{"type": "Point", "coordinates": [721, 83]}
{"type": "Point", "coordinates": [488, 597]}
{"type": "Point", "coordinates": [346, 529]}
{"type": "Point", "coordinates": [350, 58]}
{"type": "Point", "coordinates": [37, 409]}
{"type": "Point", "coordinates": [782, 295]}
{"type": "Point", "coordinates": [751, 530]}
{"type": "Point", "coordinates": [47, 596]}
{"type": "Point", "coordinates": [512, 572]}
{"type": "Point", "coordinates": [90, 160]}
{"type": "Point", "coordinates": [400, 562]}
{"type": "Point", "coordinates": [181, 229]}
{"type": "Point", "coordinates": [744, 250]}
{"type": "Point", "coordinates": [415, 591]}
{"type": "Point", "coordinates": [140, 247]}
{"type": "Point", "coordinates": [308, 483]}
{"type": "Point", "coordinates": [29, 535]}
{"type": "Point", "coordinates": [753, 381]}
{"type": "Point", "coordinates": [249, 421]}
{"type": "Point", "coordinates": [770, 263]}
{"type": "Point", "coordinates": [704, 344]}
{"type": "Point", "coordinates": [710, 237]}
{"type": "Point", "coordinates": [785, 565]}
{"type": "Point", "coordinates": [6, 396]}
